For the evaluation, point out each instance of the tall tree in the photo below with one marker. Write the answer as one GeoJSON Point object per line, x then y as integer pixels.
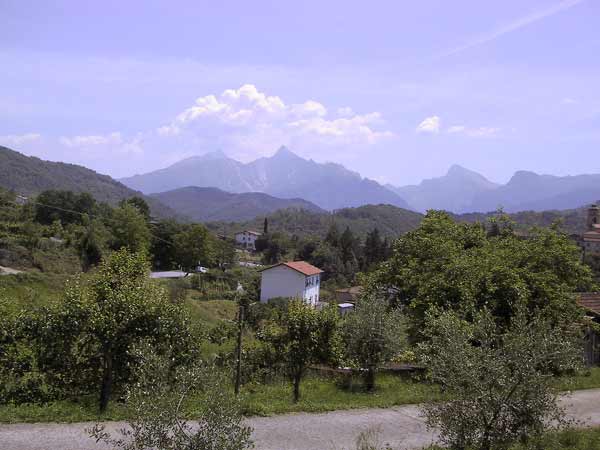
{"type": "Point", "coordinates": [457, 266]}
{"type": "Point", "coordinates": [195, 247]}
{"type": "Point", "coordinates": [140, 204]}
{"type": "Point", "coordinates": [130, 229]}
{"type": "Point", "coordinates": [266, 226]}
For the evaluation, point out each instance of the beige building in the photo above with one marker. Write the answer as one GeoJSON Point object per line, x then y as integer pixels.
{"type": "Point", "coordinates": [591, 237]}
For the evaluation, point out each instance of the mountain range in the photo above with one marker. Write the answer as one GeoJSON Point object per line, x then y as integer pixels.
{"type": "Point", "coordinates": [463, 191]}
{"type": "Point", "coordinates": [453, 192]}
{"type": "Point", "coordinates": [205, 204]}
{"type": "Point", "coordinates": [286, 175]}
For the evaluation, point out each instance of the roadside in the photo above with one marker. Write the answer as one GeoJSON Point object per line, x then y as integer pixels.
{"type": "Point", "coordinates": [9, 271]}
{"type": "Point", "coordinates": [401, 427]}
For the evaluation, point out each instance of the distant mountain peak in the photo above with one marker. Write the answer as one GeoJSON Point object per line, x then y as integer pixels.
{"type": "Point", "coordinates": [283, 151]}
{"type": "Point", "coordinates": [215, 154]}
{"type": "Point", "coordinates": [456, 169]}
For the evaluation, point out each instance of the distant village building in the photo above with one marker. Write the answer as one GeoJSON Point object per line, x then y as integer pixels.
{"type": "Point", "coordinates": [348, 295]}
{"type": "Point", "coordinates": [590, 302]}
{"type": "Point", "coordinates": [247, 238]}
{"type": "Point", "coordinates": [297, 279]}
{"type": "Point", "coordinates": [591, 237]}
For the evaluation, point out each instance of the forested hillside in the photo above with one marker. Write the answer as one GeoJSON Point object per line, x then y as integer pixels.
{"type": "Point", "coordinates": [391, 221]}
{"type": "Point", "coordinates": [28, 176]}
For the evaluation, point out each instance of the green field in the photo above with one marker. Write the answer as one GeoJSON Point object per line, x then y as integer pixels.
{"type": "Point", "coordinates": [318, 395]}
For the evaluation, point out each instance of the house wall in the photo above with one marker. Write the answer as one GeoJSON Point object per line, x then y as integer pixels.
{"type": "Point", "coordinates": [246, 239]}
{"type": "Point", "coordinates": [281, 281]}
{"type": "Point", "coordinates": [312, 288]}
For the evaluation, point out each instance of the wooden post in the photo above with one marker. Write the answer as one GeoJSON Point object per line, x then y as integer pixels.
{"type": "Point", "coordinates": [238, 371]}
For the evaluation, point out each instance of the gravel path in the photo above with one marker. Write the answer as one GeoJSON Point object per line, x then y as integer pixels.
{"type": "Point", "coordinates": [401, 427]}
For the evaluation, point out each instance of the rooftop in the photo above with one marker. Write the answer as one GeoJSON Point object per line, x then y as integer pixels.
{"type": "Point", "coordinates": [300, 266]}
{"type": "Point", "coordinates": [590, 301]}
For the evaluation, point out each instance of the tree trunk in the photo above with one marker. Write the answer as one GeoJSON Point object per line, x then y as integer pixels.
{"type": "Point", "coordinates": [370, 379]}
{"type": "Point", "coordinates": [297, 379]}
{"type": "Point", "coordinates": [107, 380]}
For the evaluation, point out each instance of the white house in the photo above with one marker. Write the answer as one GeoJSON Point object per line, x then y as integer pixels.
{"type": "Point", "coordinates": [247, 238]}
{"type": "Point", "coordinates": [297, 279]}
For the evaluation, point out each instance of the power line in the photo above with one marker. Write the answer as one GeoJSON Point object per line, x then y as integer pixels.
{"type": "Point", "coordinates": [58, 208]}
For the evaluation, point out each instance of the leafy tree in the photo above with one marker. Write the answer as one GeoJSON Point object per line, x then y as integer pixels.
{"type": "Point", "coordinates": [499, 379]}
{"type": "Point", "coordinates": [194, 246]}
{"type": "Point", "coordinates": [333, 235]}
{"type": "Point", "coordinates": [86, 339]}
{"type": "Point", "coordinates": [274, 247]}
{"type": "Point", "coordinates": [140, 204]}
{"type": "Point", "coordinates": [266, 226]}
{"type": "Point", "coordinates": [92, 243]}
{"type": "Point", "coordinates": [65, 206]}
{"type": "Point", "coordinates": [157, 400]}
{"type": "Point", "coordinates": [373, 333]}
{"type": "Point", "coordinates": [162, 247]}
{"type": "Point", "coordinates": [457, 266]}
{"type": "Point", "coordinates": [303, 337]}
{"type": "Point", "coordinates": [129, 229]}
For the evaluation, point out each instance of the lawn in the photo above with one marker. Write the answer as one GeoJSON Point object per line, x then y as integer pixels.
{"type": "Point", "coordinates": [318, 395]}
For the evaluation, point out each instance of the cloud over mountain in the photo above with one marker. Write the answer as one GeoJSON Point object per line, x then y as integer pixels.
{"type": "Point", "coordinates": [249, 122]}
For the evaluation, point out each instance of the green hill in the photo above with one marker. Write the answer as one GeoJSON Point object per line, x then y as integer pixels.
{"type": "Point", "coordinates": [27, 175]}
{"type": "Point", "coordinates": [390, 220]}
{"type": "Point", "coordinates": [209, 204]}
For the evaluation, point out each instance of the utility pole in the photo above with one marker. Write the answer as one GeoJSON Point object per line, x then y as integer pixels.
{"type": "Point", "coordinates": [238, 370]}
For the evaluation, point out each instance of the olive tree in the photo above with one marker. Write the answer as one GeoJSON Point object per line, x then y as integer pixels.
{"type": "Point", "coordinates": [373, 333]}
{"type": "Point", "coordinates": [303, 336]}
{"type": "Point", "coordinates": [158, 401]}
{"type": "Point", "coordinates": [499, 379]}
{"type": "Point", "coordinates": [84, 341]}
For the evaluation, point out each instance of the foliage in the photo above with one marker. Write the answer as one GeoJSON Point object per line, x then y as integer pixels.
{"type": "Point", "coordinates": [372, 334]}
{"type": "Point", "coordinates": [157, 400]}
{"type": "Point", "coordinates": [139, 203]}
{"type": "Point", "coordinates": [84, 341]}
{"type": "Point", "coordinates": [459, 267]}
{"type": "Point", "coordinates": [499, 379]}
{"type": "Point", "coordinates": [64, 206]}
{"type": "Point", "coordinates": [304, 336]}
{"type": "Point", "coordinates": [194, 247]}
{"type": "Point", "coordinates": [129, 229]}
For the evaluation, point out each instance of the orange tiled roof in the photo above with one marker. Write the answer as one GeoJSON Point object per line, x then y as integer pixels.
{"type": "Point", "coordinates": [299, 266]}
{"type": "Point", "coordinates": [590, 301]}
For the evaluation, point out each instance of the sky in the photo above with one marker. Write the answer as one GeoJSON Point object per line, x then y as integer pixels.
{"type": "Point", "coordinates": [396, 90]}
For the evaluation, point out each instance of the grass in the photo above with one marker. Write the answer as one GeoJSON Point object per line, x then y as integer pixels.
{"type": "Point", "coordinates": [571, 439]}
{"type": "Point", "coordinates": [318, 395]}
{"type": "Point", "coordinates": [211, 311]}
{"type": "Point", "coordinates": [33, 288]}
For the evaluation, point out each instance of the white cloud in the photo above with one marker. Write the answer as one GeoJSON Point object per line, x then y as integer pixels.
{"type": "Point", "coordinates": [14, 139]}
{"type": "Point", "coordinates": [429, 125]}
{"type": "Point", "coordinates": [250, 123]}
{"type": "Point", "coordinates": [477, 132]}
{"type": "Point", "coordinates": [102, 142]}
{"type": "Point", "coordinates": [345, 111]}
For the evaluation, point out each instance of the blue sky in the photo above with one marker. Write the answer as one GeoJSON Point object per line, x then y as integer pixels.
{"type": "Point", "coordinates": [396, 90]}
